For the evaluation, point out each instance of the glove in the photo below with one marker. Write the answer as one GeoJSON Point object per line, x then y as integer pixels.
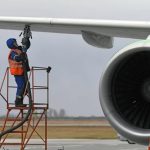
{"type": "Point", "coordinates": [20, 48]}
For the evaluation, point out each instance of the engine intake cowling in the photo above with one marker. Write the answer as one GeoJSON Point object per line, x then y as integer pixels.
{"type": "Point", "coordinates": [125, 92]}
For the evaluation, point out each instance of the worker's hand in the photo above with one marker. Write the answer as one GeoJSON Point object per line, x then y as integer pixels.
{"type": "Point", "coordinates": [20, 48]}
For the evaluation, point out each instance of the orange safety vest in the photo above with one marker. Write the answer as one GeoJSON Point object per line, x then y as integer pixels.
{"type": "Point", "coordinates": [16, 68]}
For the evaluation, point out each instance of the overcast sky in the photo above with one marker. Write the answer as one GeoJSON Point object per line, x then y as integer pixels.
{"type": "Point", "coordinates": [76, 66]}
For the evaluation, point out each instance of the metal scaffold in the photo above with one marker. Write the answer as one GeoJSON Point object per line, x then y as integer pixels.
{"type": "Point", "coordinates": [38, 116]}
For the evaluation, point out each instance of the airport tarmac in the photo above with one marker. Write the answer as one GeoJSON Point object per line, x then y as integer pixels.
{"type": "Point", "coordinates": [82, 144]}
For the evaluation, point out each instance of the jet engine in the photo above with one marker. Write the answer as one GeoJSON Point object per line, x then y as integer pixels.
{"type": "Point", "coordinates": [125, 92]}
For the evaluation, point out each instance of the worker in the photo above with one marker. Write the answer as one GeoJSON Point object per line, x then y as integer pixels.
{"type": "Point", "coordinates": [16, 58]}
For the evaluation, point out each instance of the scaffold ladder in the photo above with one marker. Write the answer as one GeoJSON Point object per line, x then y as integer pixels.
{"type": "Point", "coordinates": [37, 117]}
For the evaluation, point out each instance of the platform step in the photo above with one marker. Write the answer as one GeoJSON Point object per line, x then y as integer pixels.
{"type": "Point", "coordinates": [18, 108]}
{"type": "Point", "coordinates": [18, 132]}
{"type": "Point", "coordinates": [14, 119]}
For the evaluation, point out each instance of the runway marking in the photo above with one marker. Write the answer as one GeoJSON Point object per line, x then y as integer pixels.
{"type": "Point", "coordinates": [81, 144]}
{"type": "Point", "coordinates": [132, 149]}
{"type": "Point", "coordinates": [54, 146]}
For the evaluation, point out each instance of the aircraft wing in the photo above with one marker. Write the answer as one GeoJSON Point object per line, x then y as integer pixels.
{"type": "Point", "coordinates": [98, 33]}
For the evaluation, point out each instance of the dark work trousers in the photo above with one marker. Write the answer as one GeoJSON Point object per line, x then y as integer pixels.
{"type": "Point", "coordinates": [20, 81]}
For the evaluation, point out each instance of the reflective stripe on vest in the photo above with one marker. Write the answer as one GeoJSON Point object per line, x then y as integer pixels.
{"type": "Point", "coordinates": [16, 68]}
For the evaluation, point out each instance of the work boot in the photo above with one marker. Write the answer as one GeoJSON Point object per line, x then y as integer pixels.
{"type": "Point", "coordinates": [19, 102]}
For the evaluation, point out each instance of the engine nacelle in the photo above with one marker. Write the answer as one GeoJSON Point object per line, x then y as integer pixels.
{"type": "Point", "coordinates": [125, 92]}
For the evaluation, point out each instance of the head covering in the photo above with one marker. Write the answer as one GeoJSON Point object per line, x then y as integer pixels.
{"type": "Point", "coordinates": [10, 42]}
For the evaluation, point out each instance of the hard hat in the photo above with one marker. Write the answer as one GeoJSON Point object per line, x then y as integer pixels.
{"type": "Point", "coordinates": [10, 42]}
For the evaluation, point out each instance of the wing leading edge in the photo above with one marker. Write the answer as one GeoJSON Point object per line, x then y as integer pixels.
{"type": "Point", "coordinates": [99, 33]}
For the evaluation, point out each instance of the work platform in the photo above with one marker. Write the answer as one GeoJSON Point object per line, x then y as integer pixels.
{"type": "Point", "coordinates": [15, 114]}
